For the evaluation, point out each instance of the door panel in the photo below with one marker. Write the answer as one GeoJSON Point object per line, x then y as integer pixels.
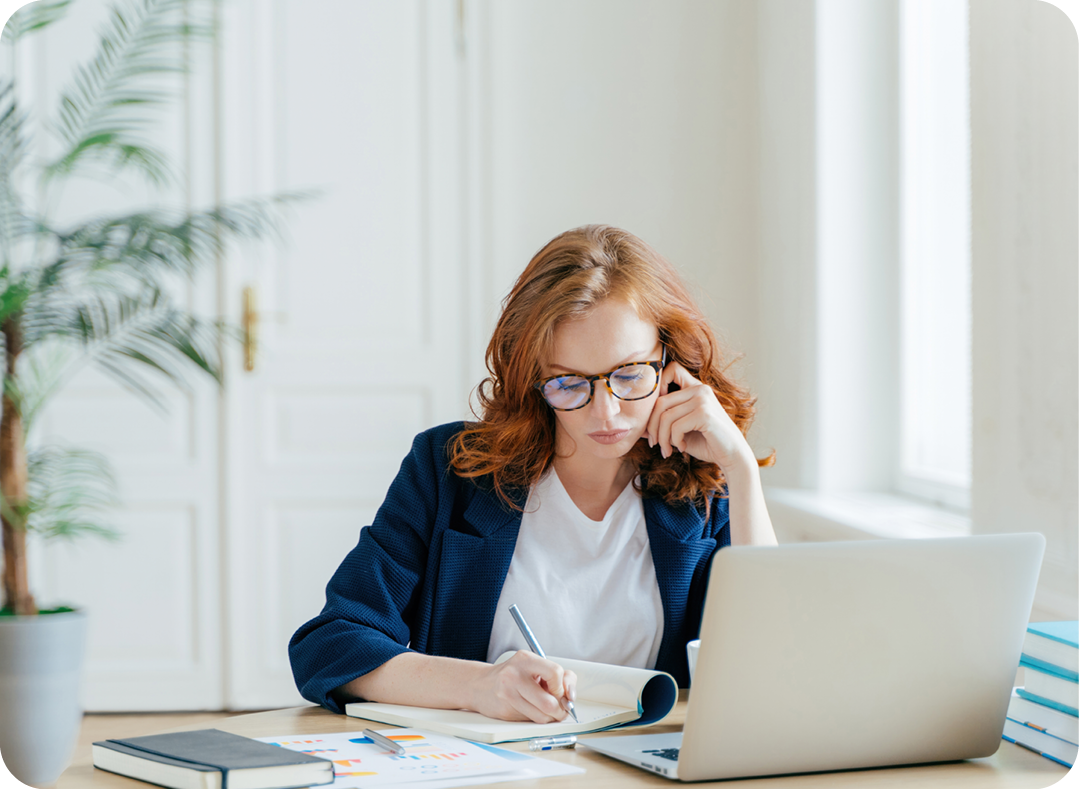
{"type": "Point", "coordinates": [362, 333]}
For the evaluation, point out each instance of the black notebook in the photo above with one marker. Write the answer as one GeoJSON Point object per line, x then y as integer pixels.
{"type": "Point", "coordinates": [211, 759]}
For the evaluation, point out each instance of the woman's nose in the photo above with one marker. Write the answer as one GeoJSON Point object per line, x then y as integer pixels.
{"type": "Point", "coordinates": [604, 403]}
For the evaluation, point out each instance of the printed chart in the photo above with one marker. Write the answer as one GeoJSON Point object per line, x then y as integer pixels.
{"type": "Point", "coordinates": [360, 763]}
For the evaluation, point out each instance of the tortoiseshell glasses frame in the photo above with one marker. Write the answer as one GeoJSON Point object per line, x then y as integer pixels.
{"type": "Point", "coordinates": [573, 385]}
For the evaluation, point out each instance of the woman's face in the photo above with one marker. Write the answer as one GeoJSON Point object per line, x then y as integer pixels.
{"type": "Point", "coordinates": [612, 335]}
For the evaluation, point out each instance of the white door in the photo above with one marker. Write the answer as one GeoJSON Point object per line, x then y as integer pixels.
{"type": "Point", "coordinates": [362, 316]}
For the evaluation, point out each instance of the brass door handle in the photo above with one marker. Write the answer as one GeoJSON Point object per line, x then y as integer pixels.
{"type": "Point", "coordinates": [250, 328]}
{"type": "Point", "coordinates": [250, 325]}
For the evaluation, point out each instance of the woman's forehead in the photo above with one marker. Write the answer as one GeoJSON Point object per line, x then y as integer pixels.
{"type": "Point", "coordinates": [611, 334]}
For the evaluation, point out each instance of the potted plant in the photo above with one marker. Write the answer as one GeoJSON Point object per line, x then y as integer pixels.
{"type": "Point", "coordinates": [90, 292]}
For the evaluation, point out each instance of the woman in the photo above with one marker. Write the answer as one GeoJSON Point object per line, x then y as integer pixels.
{"type": "Point", "coordinates": [608, 466]}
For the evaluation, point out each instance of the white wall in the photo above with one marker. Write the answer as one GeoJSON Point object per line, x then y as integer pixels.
{"type": "Point", "coordinates": [1025, 282]}
{"type": "Point", "coordinates": [637, 114]}
{"type": "Point", "coordinates": [828, 273]}
{"type": "Point", "coordinates": [784, 374]}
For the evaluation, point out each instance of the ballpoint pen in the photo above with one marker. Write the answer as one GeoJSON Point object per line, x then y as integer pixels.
{"type": "Point", "coordinates": [385, 742]}
{"type": "Point", "coordinates": [526, 631]}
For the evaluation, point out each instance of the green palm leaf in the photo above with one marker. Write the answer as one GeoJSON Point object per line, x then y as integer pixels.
{"type": "Point", "coordinates": [43, 370]}
{"type": "Point", "coordinates": [141, 39]}
{"type": "Point", "coordinates": [149, 244]}
{"type": "Point", "coordinates": [145, 328]}
{"type": "Point", "coordinates": [12, 149]}
{"type": "Point", "coordinates": [124, 334]}
{"type": "Point", "coordinates": [96, 292]}
{"type": "Point", "coordinates": [68, 490]}
{"type": "Point", "coordinates": [33, 16]}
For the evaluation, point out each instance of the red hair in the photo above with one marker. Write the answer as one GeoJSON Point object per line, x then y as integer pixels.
{"type": "Point", "coordinates": [513, 443]}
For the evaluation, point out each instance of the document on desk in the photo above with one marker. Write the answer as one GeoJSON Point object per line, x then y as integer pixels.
{"type": "Point", "coordinates": [607, 696]}
{"type": "Point", "coordinates": [430, 761]}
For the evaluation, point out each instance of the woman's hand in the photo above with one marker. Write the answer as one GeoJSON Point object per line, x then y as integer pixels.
{"type": "Point", "coordinates": [525, 687]}
{"type": "Point", "coordinates": [691, 420]}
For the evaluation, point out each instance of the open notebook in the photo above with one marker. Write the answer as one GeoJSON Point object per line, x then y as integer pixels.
{"type": "Point", "coordinates": [607, 696]}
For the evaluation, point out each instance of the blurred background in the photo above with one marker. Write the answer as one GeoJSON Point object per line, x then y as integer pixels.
{"type": "Point", "coordinates": [875, 202]}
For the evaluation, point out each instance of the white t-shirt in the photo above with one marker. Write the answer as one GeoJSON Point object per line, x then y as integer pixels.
{"type": "Point", "coordinates": [586, 588]}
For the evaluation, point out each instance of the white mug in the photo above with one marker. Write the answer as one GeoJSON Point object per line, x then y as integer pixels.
{"type": "Point", "coordinates": [692, 648]}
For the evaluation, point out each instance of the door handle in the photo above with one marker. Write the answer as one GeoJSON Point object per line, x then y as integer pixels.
{"type": "Point", "coordinates": [250, 324]}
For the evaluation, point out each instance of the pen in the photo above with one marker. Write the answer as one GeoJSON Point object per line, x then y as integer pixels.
{"type": "Point", "coordinates": [385, 742]}
{"type": "Point", "coordinates": [552, 743]}
{"type": "Point", "coordinates": [526, 631]}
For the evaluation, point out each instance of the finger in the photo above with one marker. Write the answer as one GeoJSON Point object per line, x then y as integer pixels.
{"type": "Point", "coordinates": [669, 372]}
{"type": "Point", "coordinates": [548, 673]}
{"type": "Point", "coordinates": [542, 707]}
{"type": "Point", "coordinates": [674, 406]}
{"type": "Point", "coordinates": [662, 404]}
{"type": "Point", "coordinates": [679, 413]}
{"type": "Point", "coordinates": [677, 374]}
{"type": "Point", "coordinates": [682, 426]}
{"type": "Point", "coordinates": [569, 682]}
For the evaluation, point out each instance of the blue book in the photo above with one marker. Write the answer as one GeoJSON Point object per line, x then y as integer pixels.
{"type": "Point", "coordinates": [1053, 647]}
{"type": "Point", "coordinates": [1050, 688]}
{"type": "Point", "coordinates": [1043, 717]}
{"type": "Point", "coordinates": [1041, 743]}
{"type": "Point", "coordinates": [1048, 702]}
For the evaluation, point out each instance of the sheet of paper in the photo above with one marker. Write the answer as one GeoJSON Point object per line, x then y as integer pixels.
{"type": "Point", "coordinates": [431, 761]}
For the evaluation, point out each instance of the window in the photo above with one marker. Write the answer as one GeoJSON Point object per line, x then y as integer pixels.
{"type": "Point", "coordinates": [935, 312]}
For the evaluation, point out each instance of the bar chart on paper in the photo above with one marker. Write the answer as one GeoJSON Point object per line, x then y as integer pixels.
{"type": "Point", "coordinates": [359, 763]}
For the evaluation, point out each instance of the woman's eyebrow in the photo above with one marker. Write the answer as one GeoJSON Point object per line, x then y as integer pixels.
{"type": "Point", "coordinates": [631, 358]}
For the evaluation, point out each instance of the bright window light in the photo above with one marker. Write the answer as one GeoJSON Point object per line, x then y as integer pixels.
{"type": "Point", "coordinates": [935, 258]}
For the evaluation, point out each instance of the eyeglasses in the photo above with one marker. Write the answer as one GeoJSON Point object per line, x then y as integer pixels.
{"type": "Point", "coordinates": [634, 381]}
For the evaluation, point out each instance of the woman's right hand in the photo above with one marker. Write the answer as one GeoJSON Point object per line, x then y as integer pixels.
{"type": "Point", "coordinates": [525, 687]}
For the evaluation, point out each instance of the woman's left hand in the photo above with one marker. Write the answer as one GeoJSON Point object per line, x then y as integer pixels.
{"type": "Point", "coordinates": [692, 421]}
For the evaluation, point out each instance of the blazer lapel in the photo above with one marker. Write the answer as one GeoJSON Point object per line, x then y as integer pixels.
{"type": "Point", "coordinates": [474, 559]}
{"type": "Point", "coordinates": [681, 556]}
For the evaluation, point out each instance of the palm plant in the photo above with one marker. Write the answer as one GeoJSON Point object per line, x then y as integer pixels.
{"type": "Point", "coordinates": [96, 291]}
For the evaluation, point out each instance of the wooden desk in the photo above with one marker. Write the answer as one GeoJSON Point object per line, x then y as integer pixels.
{"type": "Point", "coordinates": [1011, 767]}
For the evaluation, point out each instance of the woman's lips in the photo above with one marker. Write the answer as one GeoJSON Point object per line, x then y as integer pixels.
{"type": "Point", "coordinates": [612, 437]}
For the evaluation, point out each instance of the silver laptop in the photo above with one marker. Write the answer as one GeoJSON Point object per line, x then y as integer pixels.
{"type": "Point", "coordinates": [846, 655]}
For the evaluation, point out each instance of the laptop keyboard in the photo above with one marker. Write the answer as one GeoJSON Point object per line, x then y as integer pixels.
{"type": "Point", "coordinates": [665, 753]}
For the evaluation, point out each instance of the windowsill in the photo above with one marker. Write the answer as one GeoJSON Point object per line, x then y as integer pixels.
{"type": "Point", "coordinates": [808, 516]}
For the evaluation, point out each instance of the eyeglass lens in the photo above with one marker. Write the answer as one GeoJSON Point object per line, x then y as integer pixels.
{"type": "Point", "coordinates": [631, 382]}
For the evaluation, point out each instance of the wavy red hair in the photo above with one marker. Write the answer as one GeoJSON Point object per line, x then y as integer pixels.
{"type": "Point", "coordinates": [513, 443]}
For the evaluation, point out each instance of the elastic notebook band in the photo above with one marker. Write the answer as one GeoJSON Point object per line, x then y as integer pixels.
{"type": "Point", "coordinates": [221, 769]}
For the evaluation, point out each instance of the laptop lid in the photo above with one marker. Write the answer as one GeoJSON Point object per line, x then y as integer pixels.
{"type": "Point", "coordinates": [827, 656]}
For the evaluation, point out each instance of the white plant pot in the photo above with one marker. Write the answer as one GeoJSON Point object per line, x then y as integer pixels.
{"type": "Point", "coordinates": [40, 710]}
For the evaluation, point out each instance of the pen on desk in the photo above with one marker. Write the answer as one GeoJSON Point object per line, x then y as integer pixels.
{"type": "Point", "coordinates": [552, 743]}
{"type": "Point", "coordinates": [385, 742]}
{"type": "Point", "coordinates": [526, 631]}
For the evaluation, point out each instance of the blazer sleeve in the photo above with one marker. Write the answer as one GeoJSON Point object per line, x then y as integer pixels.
{"type": "Point", "coordinates": [719, 522]}
{"type": "Point", "coordinates": [372, 597]}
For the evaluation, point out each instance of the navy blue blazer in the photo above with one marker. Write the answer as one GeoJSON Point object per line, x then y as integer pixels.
{"type": "Point", "coordinates": [427, 574]}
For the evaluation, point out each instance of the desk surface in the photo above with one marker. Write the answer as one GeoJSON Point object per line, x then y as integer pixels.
{"type": "Point", "coordinates": [1011, 767]}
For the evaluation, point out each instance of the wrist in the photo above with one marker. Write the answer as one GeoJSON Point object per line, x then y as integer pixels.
{"type": "Point", "coordinates": [741, 468]}
{"type": "Point", "coordinates": [475, 679]}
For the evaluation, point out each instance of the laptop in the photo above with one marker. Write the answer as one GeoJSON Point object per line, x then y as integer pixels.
{"type": "Point", "coordinates": [847, 655]}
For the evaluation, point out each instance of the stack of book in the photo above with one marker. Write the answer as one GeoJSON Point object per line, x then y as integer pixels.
{"type": "Point", "coordinates": [1043, 715]}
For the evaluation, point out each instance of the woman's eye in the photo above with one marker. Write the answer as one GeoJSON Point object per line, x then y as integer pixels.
{"type": "Point", "coordinates": [572, 385]}
{"type": "Point", "coordinates": [628, 377]}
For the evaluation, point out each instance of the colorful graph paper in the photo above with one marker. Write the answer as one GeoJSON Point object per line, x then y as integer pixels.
{"type": "Point", "coordinates": [361, 764]}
